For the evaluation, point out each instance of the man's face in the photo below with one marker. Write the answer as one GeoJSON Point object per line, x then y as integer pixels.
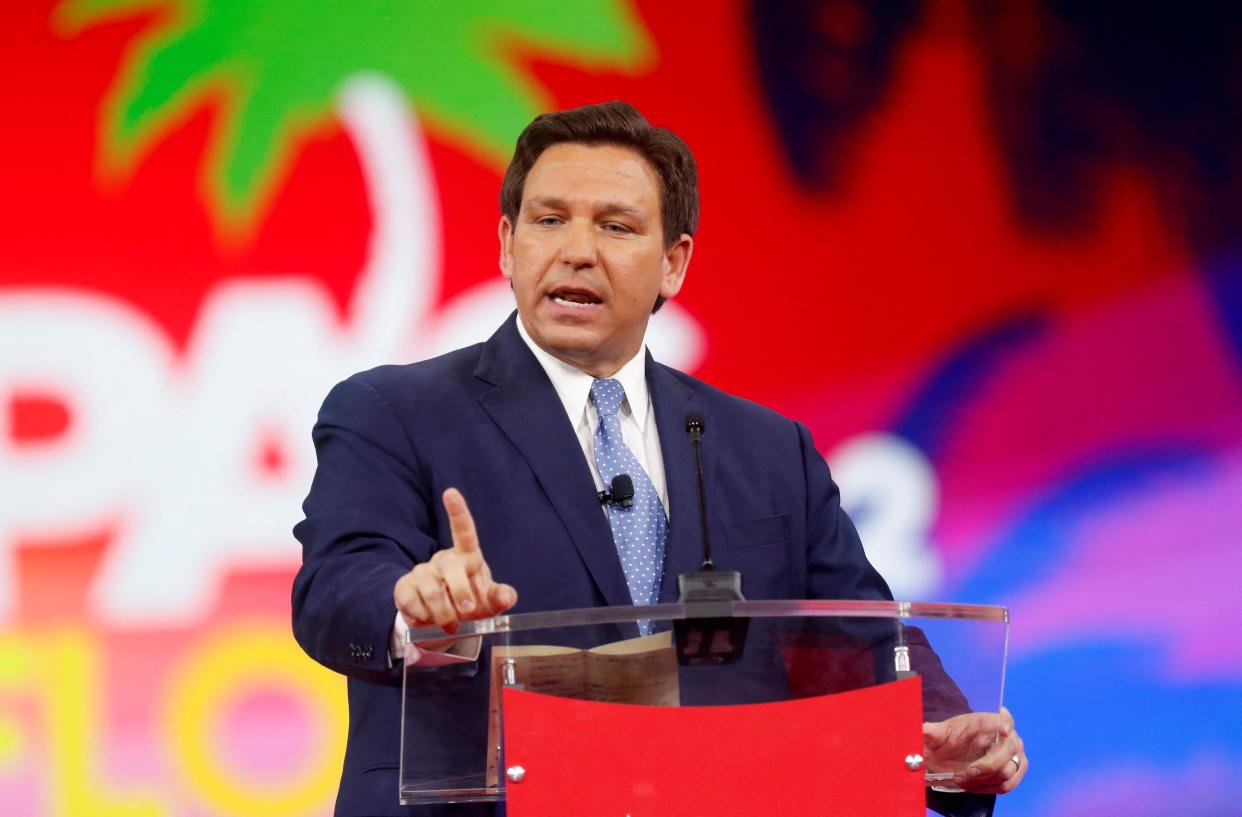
{"type": "Point", "coordinates": [586, 256]}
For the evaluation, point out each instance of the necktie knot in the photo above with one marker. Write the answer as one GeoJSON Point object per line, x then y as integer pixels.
{"type": "Point", "coordinates": [607, 396]}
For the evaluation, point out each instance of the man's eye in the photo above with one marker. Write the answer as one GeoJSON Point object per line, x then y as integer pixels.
{"type": "Point", "coordinates": [613, 227]}
{"type": "Point", "coordinates": [548, 221]}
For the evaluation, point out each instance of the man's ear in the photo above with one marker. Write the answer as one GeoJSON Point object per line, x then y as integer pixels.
{"type": "Point", "coordinates": [505, 233]}
{"type": "Point", "coordinates": [676, 261]}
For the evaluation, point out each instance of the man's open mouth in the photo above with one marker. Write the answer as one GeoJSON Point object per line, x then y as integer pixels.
{"type": "Point", "coordinates": [574, 297]}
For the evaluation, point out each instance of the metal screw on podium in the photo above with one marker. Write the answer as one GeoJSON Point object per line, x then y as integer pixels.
{"type": "Point", "coordinates": [914, 762]}
{"type": "Point", "coordinates": [515, 774]}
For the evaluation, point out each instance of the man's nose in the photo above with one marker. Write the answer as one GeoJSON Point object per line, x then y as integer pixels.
{"type": "Point", "coordinates": [578, 250]}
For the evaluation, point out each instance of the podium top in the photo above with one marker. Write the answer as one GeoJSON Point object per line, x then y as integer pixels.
{"type": "Point", "coordinates": [824, 608]}
{"type": "Point", "coordinates": [702, 653]}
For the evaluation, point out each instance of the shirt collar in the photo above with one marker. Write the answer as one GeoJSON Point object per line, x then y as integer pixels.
{"type": "Point", "coordinates": [573, 385]}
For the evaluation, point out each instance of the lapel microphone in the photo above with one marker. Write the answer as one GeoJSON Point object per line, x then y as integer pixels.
{"type": "Point", "coordinates": [709, 634]}
{"type": "Point", "coordinates": [622, 493]}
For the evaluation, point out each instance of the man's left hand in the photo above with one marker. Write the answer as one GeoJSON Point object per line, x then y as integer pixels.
{"type": "Point", "coordinates": [982, 749]}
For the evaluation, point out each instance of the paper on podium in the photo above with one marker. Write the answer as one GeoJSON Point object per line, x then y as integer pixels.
{"type": "Point", "coordinates": [634, 671]}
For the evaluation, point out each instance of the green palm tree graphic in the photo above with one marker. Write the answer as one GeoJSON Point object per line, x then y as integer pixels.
{"type": "Point", "coordinates": [275, 65]}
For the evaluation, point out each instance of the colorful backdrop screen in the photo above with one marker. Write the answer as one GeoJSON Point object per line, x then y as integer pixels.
{"type": "Point", "coordinates": [988, 252]}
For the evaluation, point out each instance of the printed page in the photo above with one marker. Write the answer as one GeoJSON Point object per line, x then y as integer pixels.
{"type": "Point", "coordinates": [636, 671]}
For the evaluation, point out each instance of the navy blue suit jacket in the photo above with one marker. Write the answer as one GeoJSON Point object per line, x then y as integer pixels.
{"type": "Point", "coordinates": [487, 420]}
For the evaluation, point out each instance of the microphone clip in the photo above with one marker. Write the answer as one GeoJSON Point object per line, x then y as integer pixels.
{"type": "Point", "coordinates": [622, 493]}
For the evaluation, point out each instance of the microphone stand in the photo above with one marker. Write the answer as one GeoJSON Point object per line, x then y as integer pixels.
{"type": "Point", "coordinates": [709, 634]}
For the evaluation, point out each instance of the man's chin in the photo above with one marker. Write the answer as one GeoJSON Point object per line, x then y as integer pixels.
{"type": "Point", "coordinates": [581, 348]}
{"type": "Point", "coordinates": [570, 345]}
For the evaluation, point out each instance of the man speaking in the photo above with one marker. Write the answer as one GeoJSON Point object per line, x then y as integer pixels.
{"type": "Point", "coordinates": [599, 211]}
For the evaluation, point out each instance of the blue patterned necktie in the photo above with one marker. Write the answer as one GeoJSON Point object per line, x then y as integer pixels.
{"type": "Point", "coordinates": [640, 530]}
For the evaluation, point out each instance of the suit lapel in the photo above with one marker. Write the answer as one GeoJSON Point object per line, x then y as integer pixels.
{"type": "Point", "coordinates": [524, 404]}
{"type": "Point", "coordinates": [672, 400]}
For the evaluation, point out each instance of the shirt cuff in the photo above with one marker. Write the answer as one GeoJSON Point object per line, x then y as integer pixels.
{"type": "Point", "coordinates": [466, 649]}
{"type": "Point", "coordinates": [396, 644]}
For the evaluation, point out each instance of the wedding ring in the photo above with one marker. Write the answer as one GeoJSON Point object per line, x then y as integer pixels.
{"type": "Point", "coordinates": [1016, 761]}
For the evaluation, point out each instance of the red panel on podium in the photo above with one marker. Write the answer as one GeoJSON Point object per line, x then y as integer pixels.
{"type": "Point", "coordinates": [835, 754]}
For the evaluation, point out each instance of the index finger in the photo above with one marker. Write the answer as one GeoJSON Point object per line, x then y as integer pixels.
{"type": "Point", "coordinates": [461, 523]}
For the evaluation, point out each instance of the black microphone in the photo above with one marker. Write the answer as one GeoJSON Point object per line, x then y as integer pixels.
{"type": "Point", "coordinates": [622, 493]}
{"type": "Point", "coordinates": [710, 633]}
{"type": "Point", "coordinates": [695, 426]}
{"type": "Point", "coordinates": [623, 490]}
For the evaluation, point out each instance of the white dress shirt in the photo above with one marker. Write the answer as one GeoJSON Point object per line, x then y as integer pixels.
{"type": "Point", "coordinates": [638, 427]}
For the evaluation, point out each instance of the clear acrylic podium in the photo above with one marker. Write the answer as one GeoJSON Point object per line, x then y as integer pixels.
{"type": "Point", "coordinates": [585, 679]}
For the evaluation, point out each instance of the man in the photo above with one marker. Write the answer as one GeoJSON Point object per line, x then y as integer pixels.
{"type": "Point", "coordinates": [598, 215]}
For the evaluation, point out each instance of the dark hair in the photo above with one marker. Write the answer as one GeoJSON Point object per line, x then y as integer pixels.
{"type": "Point", "coordinates": [612, 123]}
